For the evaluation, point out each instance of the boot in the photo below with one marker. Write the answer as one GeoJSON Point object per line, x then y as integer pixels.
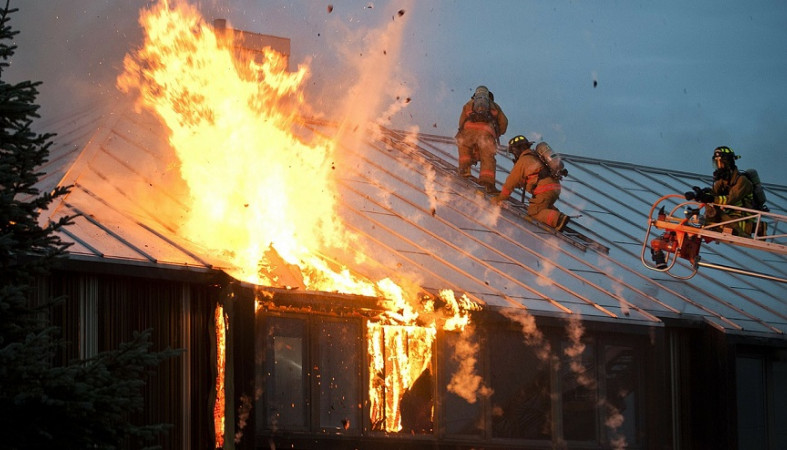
{"type": "Point", "coordinates": [490, 187]}
{"type": "Point", "coordinates": [562, 221]}
{"type": "Point", "coordinates": [659, 258]}
{"type": "Point", "coordinates": [464, 172]}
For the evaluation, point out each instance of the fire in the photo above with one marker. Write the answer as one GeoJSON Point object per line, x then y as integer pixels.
{"type": "Point", "coordinates": [263, 199]}
{"type": "Point", "coordinates": [218, 408]}
{"type": "Point", "coordinates": [253, 183]}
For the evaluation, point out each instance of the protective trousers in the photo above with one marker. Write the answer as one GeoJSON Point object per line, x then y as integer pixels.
{"type": "Point", "coordinates": [542, 205]}
{"type": "Point", "coordinates": [477, 145]}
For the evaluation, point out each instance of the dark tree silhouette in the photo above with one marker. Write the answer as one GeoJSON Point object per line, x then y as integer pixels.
{"type": "Point", "coordinates": [82, 404]}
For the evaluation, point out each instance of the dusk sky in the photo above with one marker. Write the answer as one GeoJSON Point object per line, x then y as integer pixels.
{"type": "Point", "coordinates": [655, 83]}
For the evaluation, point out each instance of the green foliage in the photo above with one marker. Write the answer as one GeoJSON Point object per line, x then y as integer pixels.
{"type": "Point", "coordinates": [83, 404]}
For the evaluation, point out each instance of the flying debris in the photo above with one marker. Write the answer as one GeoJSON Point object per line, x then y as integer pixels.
{"type": "Point", "coordinates": [330, 9]}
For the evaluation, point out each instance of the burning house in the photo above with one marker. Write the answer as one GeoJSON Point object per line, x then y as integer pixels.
{"type": "Point", "coordinates": [337, 286]}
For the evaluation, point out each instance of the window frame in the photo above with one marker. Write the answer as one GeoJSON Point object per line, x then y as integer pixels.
{"type": "Point", "coordinates": [311, 374]}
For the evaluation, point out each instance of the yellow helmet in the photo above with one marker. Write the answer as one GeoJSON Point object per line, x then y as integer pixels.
{"type": "Point", "coordinates": [724, 158]}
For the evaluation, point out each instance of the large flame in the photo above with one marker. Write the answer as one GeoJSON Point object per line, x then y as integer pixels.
{"type": "Point", "coordinates": [253, 183]}
{"type": "Point", "coordinates": [261, 198]}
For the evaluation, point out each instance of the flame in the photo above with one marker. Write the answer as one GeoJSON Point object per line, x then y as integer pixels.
{"type": "Point", "coordinates": [220, 324]}
{"type": "Point", "coordinates": [262, 199]}
{"type": "Point", "coordinates": [253, 183]}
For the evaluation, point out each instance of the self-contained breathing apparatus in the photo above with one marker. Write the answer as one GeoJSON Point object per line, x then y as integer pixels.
{"type": "Point", "coordinates": [553, 165]}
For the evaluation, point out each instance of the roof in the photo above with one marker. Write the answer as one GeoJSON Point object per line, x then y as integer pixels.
{"type": "Point", "coordinates": [404, 200]}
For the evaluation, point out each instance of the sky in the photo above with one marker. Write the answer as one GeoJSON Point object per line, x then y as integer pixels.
{"type": "Point", "coordinates": [653, 83]}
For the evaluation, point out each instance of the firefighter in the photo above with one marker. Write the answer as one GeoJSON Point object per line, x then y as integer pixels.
{"type": "Point", "coordinates": [481, 123]}
{"type": "Point", "coordinates": [539, 172]}
{"type": "Point", "coordinates": [730, 187]}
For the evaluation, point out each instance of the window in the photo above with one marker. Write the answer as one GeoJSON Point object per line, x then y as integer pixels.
{"type": "Point", "coordinates": [779, 379]}
{"type": "Point", "coordinates": [310, 374]}
{"type": "Point", "coordinates": [462, 413]}
{"type": "Point", "coordinates": [761, 380]}
{"type": "Point", "coordinates": [338, 373]}
{"type": "Point", "coordinates": [621, 381]}
{"type": "Point", "coordinates": [578, 395]}
{"type": "Point", "coordinates": [752, 426]}
{"type": "Point", "coordinates": [521, 402]}
{"type": "Point", "coordinates": [285, 373]}
{"type": "Point", "coordinates": [401, 385]}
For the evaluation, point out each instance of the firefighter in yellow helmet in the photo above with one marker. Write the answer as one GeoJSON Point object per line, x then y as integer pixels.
{"type": "Point", "coordinates": [539, 172]}
{"type": "Point", "coordinates": [481, 123]}
{"type": "Point", "coordinates": [730, 187]}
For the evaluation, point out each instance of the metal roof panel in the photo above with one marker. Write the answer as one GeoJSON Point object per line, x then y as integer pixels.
{"type": "Point", "coordinates": [417, 219]}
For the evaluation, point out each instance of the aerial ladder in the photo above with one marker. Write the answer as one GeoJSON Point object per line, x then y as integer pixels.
{"type": "Point", "coordinates": [685, 230]}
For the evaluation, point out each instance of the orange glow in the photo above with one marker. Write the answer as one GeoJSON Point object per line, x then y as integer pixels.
{"type": "Point", "coordinates": [253, 184]}
{"type": "Point", "coordinates": [218, 407]}
{"type": "Point", "coordinates": [262, 199]}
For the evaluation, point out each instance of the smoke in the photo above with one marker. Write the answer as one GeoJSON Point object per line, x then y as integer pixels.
{"type": "Point", "coordinates": [613, 418]}
{"type": "Point", "coordinates": [244, 410]}
{"type": "Point", "coordinates": [533, 336]}
{"type": "Point", "coordinates": [372, 71]}
{"type": "Point", "coordinates": [617, 287]}
{"type": "Point", "coordinates": [613, 422]}
{"type": "Point", "coordinates": [466, 382]}
{"type": "Point", "coordinates": [575, 350]}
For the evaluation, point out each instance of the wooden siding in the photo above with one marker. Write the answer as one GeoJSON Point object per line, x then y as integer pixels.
{"type": "Point", "coordinates": [100, 311]}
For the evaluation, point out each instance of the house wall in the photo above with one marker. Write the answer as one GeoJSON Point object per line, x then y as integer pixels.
{"type": "Point", "coordinates": [298, 373]}
{"type": "Point", "coordinates": [611, 390]}
{"type": "Point", "coordinates": [727, 391]}
{"type": "Point", "coordinates": [101, 310]}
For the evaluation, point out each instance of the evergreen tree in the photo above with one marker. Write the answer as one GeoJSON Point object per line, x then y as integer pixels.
{"type": "Point", "coordinates": [82, 404]}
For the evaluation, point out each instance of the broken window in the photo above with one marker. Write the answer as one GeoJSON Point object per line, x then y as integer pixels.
{"type": "Point", "coordinates": [401, 385]}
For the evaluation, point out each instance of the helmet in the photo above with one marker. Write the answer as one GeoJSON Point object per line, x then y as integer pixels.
{"type": "Point", "coordinates": [483, 90]}
{"type": "Point", "coordinates": [517, 145]}
{"type": "Point", "coordinates": [518, 141]}
{"type": "Point", "coordinates": [724, 158]}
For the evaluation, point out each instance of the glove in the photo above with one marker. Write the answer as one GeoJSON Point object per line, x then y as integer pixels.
{"type": "Point", "coordinates": [700, 195]}
{"type": "Point", "coordinates": [694, 194]}
{"type": "Point", "coordinates": [704, 195]}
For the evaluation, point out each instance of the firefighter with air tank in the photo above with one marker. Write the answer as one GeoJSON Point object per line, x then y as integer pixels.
{"type": "Point", "coordinates": [481, 123]}
{"type": "Point", "coordinates": [730, 187]}
{"type": "Point", "coordinates": [539, 172]}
